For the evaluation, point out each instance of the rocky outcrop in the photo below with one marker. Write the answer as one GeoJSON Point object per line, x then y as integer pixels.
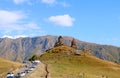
{"type": "Point", "coordinates": [73, 44]}
{"type": "Point", "coordinates": [60, 42]}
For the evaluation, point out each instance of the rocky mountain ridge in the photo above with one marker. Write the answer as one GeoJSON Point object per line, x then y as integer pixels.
{"type": "Point", "coordinates": [22, 48]}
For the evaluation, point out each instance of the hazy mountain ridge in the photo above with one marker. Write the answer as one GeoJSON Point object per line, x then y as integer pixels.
{"type": "Point", "coordinates": [22, 48]}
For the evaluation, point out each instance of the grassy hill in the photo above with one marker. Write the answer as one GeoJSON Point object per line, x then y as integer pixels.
{"type": "Point", "coordinates": [64, 63]}
{"type": "Point", "coordinates": [7, 66]}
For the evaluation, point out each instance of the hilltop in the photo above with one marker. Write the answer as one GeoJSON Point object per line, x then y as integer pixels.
{"type": "Point", "coordinates": [23, 48]}
{"type": "Point", "coordinates": [67, 62]}
{"type": "Point", "coordinates": [7, 66]}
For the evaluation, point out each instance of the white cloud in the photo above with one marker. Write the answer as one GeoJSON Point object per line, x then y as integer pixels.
{"type": "Point", "coordinates": [29, 2]}
{"type": "Point", "coordinates": [19, 1]}
{"type": "Point", "coordinates": [49, 1]}
{"type": "Point", "coordinates": [7, 17]}
{"type": "Point", "coordinates": [6, 36]}
{"type": "Point", "coordinates": [62, 20]}
{"type": "Point", "coordinates": [32, 25]}
{"type": "Point", "coordinates": [11, 20]}
{"type": "Point", "coordinates": [64, 4]}
{"type": "Point", "coordinates": [15, 23]}
{"type": "Point", "coordinates": [14, 37]}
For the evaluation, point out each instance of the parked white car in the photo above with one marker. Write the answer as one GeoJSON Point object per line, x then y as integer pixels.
{"type": "Point", "coordinates": [31, 69]}
{"type": "Point", "coordinates": [22, 74]}
{"type": "Point", "coordinates": [10, 75]}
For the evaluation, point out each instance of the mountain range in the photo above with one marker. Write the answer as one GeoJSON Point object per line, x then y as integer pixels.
{"type": "Point", "coordinates": [21, 49]}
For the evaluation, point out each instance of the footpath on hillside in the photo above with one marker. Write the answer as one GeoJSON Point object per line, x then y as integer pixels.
{"type": "Point", "coordinates": [47, 72]}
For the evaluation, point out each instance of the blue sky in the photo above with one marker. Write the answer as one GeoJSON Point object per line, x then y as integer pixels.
{"type": "Point", "coordinates": [96, 21]}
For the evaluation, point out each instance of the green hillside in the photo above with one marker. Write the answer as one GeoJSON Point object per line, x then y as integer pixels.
{"type": "Point", "coordinates": [63, 62]}
{"type": "Point", "coordinates": [7, 66]}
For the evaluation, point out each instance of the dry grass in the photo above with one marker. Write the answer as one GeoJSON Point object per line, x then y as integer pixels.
{"type": "Point", "coordinates": [39, 72]}
{"type": "Point", "coordinates": [74, 66]}
{"type": "Point", "coordinates": [7, 66]}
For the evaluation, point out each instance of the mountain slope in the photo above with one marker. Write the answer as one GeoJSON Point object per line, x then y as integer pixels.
{"type": "Point", "coordinates": [7, 66]}
{"type": "Point", "coordinates": [61, 64]}
{"type": "Point", "coordinates": [22, 48]}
